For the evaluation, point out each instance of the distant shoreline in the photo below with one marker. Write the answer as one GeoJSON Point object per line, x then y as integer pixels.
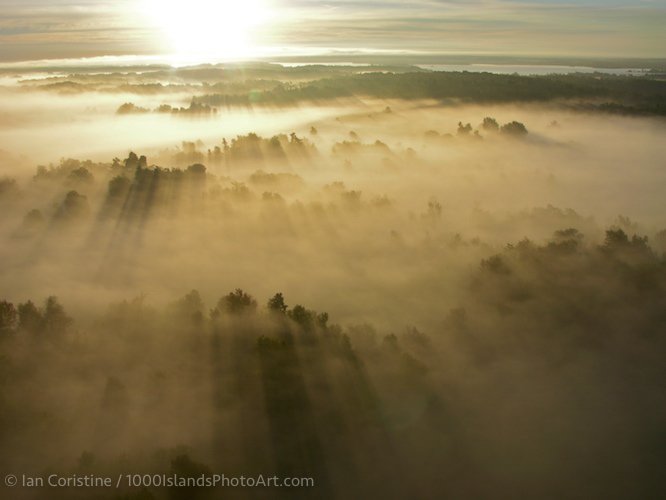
{"type": "Point", "coordinates": [527, 65]}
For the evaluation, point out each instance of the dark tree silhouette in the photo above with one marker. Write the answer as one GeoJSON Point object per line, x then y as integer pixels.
{"type": "Point", "coordinates": [118, 187]}
{"type": "Point", "coordinates": [276, 304]}
{"type": "Point", "coordinates": [190, 307]}
{"type": "Point", "coordinates": [56, 321]}
{"type": "Point", "coordinates": [196, 169]}
{"type": "Point", "coordinates": [307, 318]}
{"type": "Point", "coordinates": [73, 207]}
{"type": "Point", "coordinates": [490, 124]}
{"type": "Point", "coordinates": [8, 317]}
{"type": "Point", "coordinates": [129, 108]}
{"type": "Point", "coordinates": [514, 128]}
{"type": "Point", "coordinates": [464, 129]}
{"type": "Point", "coordinates": [30, 318]}
{"type": "Point", "coordinates": [616, 238]}
{"type": "Point", "coordinates": [302, 316]}
{"type": "Point", "coordinates": [81, 175]}
{"type": "Point", "coordinates": [52, 319]}
{"type": "Point", "coordinates": [236, 302]}
{"type": "Point", "coordinates": [132, 161]}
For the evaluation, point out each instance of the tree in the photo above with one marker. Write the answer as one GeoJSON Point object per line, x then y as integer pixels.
{"type": "Point", "coordinates": [514, 128]}
{"type": "Point", "coordinates": [130, 108]}
{"type": "Point", "coordinates": [55, 319]}
{"type": "Point", "coordinates": [30, 318]}
{"type": "Point", "coordinates": [322, 320]}
{"type": "Point", "coordinates": [235, 303]}
{"type": "Point", "coordinates": [302, 316]}
{"type": "Point", "coordinates": [464, 129]}
{"type": "Point", "coordinates": [496, 265]}
{"type": "Point", "coordinates": [570, 233]}
{"type": "Point", "coordinates": [81, 175]}
{"type": "Point", "coordinates": [566, 240]}
{"type": "Point", "coordinates": [132, 160]}
{"type": "Point", "coordinates": [33, 219]}
{"type": "Point", "coordinates": [616, 238]}
{"type": "Point", "coordinates": [118, 187]}
{"type": "Point", "coordinates": [73, 207]}
{"type": "Point", "coordinates": [294, 139]}
{"type": "Point", "coordinates": [490, 124]}
{"type": "Point", "coordinates": [190, 307]}
{"type": "Point", "coordinates": [8, 317]}
{"type": "Point", "coordinates": [164, 108]}
{"type": "Point", "coordinates": [196, 169]}
{"type": "Point", "coordinates": [276, 304]}
{"type": "Point", "coordinates": [307, 318]}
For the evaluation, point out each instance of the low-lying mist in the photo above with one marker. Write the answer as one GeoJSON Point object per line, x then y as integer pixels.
{"type": "Point", "coordinates": [397, 298]}
{"type": "Point", "coordinates": [366, 205]}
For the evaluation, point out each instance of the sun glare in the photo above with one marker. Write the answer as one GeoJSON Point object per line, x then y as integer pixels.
{"type": "Point", "coordinates": [208, 30]}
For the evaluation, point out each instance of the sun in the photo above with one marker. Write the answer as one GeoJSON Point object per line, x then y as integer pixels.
{"type": "Point", "coordinates": [208, 30]}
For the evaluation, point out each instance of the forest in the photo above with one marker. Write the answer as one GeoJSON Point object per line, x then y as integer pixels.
{"type": "Point", "coordinates": [274, 84]}
{"type": "Point", "coordinates": [626, 95]}
{"type": "Point", "coordinates": [396, 282]}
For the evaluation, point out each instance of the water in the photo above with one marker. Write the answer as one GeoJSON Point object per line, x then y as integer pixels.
{"type": "Point", "coordinates": [527, 69]}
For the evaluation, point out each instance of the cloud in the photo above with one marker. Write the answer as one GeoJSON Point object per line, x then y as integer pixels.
{"type": "Point", "coordinates": [629, 29]}
{"type": "Point", "coordinates": [76, 28]}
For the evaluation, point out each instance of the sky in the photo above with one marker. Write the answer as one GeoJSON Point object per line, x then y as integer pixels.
{"type": "Point", "coordinates": [60, 29]}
